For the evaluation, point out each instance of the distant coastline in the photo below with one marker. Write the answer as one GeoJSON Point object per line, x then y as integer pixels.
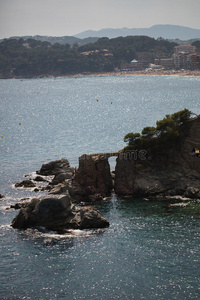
{"type": "Point", "coordinates": [195, 73]}
{"type": "Point", "coordinates": [142, 72]}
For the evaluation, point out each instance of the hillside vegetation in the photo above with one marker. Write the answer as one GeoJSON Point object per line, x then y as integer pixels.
{"type": "Point", "coordinates": [32, 58]}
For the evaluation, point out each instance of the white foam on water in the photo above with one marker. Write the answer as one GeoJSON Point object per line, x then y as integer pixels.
{"type": "Point", "coordinates": [52, 235]}
{"type": "Point", "coordinates": [179, 204]}
{"type": "Point", "coordinates": [5, 226]}
{"type": "Point", "coordinates": [33, 175]}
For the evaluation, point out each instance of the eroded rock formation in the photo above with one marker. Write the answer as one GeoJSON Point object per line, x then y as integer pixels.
{"type": "Point", "coordinates": [93, 176]}
{"type": "Point", "coordinates": [58, 210]}
{"type": "Point", "coordinates": [172, 171]}
{"type": "Point", "coordinates": [157, 174]}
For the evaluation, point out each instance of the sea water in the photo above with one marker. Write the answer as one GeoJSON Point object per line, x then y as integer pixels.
{"type": "Point", "coordinates": [149, 251]}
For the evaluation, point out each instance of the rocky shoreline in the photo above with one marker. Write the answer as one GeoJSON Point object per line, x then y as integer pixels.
{"type": "Point", "coordinates": [58, 210]}
{"type": "Point", "coordinates": [173, 173]}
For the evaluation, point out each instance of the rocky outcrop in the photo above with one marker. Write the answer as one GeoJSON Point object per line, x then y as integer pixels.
{"type": "Point", "coordinates": [54, 167]}
{"type": "Point", "coordinates": [157, 174]}
{"type": "Point", "coordinates": [19, 205]}
{"type": "Point", "coordinates": [40, 179]}
{"type": "Point", "coordinates": [57, 212]}
{"type": "Point", "coordinates": [59, 168]}
{"type": "Point", "coordinates": [25, 184]}
{"type": "Point", "coordinates": [172, 171]}
{"type": "Point", "coordinates": [93, 176]}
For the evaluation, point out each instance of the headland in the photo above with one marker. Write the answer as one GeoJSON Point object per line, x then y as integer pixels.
{"type": "Point", "coordinates": [161, 173]}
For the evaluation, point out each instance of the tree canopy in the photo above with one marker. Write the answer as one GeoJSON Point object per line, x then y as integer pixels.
{"type": "Point", "coordinates": [30, 57]}
{"type": "Point", "coordinates": [166, 131]}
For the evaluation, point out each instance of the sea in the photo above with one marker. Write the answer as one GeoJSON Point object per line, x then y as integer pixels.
{"type": "Point", "coordinates": [149, 251]}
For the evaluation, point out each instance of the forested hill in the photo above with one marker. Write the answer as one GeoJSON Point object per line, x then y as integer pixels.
{"type": "Point", "coordinates": [57, 39]}
{"type": "Point", "coordinates": [32, 58]}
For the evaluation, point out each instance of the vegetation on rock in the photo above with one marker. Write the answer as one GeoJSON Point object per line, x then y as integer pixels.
{"type": "Point", "coordinates": [166, 132]}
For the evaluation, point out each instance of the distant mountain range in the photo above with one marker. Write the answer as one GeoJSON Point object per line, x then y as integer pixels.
{"type": "Point", "coordinates": [71, 40]}
{"type": "Point", "coordinates": [179, 34]}
{"type": "Point", "coordinates": [156, 31]}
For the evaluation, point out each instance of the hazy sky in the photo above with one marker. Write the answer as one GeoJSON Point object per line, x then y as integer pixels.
{"type": "Point", "coordinates": [69, 17]}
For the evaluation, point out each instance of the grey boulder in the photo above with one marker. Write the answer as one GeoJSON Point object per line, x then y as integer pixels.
{"type": "Point", "coordinates": [56, 212]}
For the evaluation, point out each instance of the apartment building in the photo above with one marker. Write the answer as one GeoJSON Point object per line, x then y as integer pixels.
{"type": "Point", "coordinates": [184, 49]}
{"type": "Point", "coordinates": [186, 57]}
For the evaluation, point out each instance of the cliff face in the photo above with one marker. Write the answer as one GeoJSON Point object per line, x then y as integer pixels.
{"type": "Point", "coordinates": [173, 171]}
{"type": "Point", "coordinates": [93, 175]}
{"type": "Point", "coordinates": [145, 173]}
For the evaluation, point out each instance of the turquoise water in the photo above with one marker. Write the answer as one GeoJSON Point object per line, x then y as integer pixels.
{"type": "Point", "coordinates": [147, 252]}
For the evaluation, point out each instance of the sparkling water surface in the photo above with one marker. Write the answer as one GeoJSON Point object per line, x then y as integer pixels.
{"type": "Point", "coordinates": [149, 251]}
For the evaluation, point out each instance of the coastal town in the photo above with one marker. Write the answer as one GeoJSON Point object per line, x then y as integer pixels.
{"type": "Point", "coordinates": [185, 59]}
{"type": "Point", "coordinates": [20, 58]}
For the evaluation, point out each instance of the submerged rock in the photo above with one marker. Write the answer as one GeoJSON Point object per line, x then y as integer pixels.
{"type": "Point", "coordinates": [19, 205]}
{"type": "Point", "coordinates": [57, 212]}
{"type": "Point", "coordinates": [25, 183]}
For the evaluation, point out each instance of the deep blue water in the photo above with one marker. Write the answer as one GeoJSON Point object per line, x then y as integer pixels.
{"type": "Point", "coordinates": [147, 252]}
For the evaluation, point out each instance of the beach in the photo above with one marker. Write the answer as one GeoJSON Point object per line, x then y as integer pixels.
{"type": "Point", "coordinates": [195, 73]}
{"type": "Point", "coordinates": [144, 72]}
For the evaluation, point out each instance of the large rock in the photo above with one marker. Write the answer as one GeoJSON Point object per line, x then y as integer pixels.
{"type": "Point", "coordinates": [62, 176]}
{"type": "Point", "coordinates": [54, 167]}
{"type": "Point", "coordinates": [56, 212]}
{"type": "Point", "coordinates": [172, 171]}
{"type": "Point", "coordinates": [91, 218]}
{"type": "Point", "coordinates": [21, 221]}
{"type": "Point", "coordinates": [59, 168]}
{"type": "Point", "coordinates": [93, 176]}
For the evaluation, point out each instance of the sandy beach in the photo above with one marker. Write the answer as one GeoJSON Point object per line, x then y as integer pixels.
{"type": "Point", "coordinates": [143, 72]}
{"type": "Point", "coordinates": [148, 72]}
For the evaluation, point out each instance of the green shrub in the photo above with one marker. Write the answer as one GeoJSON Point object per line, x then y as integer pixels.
{"type": "Point", "coordinates": [166, 132]}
